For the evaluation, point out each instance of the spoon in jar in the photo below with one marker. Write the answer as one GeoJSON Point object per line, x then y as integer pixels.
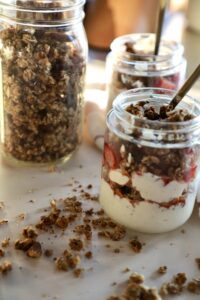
{"type": "Point", "coordinates": [184, 89]}
{"type": "Point", "coordinates": [163, 4]}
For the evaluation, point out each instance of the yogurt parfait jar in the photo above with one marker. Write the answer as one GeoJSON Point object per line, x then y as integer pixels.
{"type": "Point", "coordinates": [131, 64]}
{"type": "Point", "coordinates": [43, 52]}
{"type": "Point", "coordinates": [151, 159]}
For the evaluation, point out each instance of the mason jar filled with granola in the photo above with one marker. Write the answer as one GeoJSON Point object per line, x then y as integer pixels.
{"type": "Point", "coordinates": [131, 64]}
{"type": "Point", "coordinates": [43, 51]}
{"type": "Point", "coordinates": [150, 169]}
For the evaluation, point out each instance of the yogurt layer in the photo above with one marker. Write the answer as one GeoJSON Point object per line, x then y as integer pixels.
{"type": "Point", "coordinates": [152, 187]}
{"type": "Point", "coordinates": [144, 216]}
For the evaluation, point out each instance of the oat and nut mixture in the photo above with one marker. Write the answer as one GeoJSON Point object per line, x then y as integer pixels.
{"type": "Point", "coordinates": [43, 70]}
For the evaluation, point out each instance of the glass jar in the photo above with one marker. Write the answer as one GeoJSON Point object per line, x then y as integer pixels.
{"type": "Point", "coordinates": [43, 51]}
{"type": "Point", "coordinates": [131, 64]}
{"type": "Point", "coordinates": [150, 168]}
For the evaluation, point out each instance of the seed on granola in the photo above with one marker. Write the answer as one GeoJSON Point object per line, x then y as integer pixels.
{"type": "Point", "coordinates": [35, 251]}
{"type": "Point", "coordinates": [76, 244]}
{"type": "Point", "coordinates": [5, 267]}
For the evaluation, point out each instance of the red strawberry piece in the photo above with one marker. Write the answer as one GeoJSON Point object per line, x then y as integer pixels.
{"type": "Point", "coordinates": [164, 83]}
{"type": "Point", "coordinates": [166, 180]}
{"type": "Point", "coordinates": [110, 157]}
{"type": "Point", "coordinates": [190, 174]}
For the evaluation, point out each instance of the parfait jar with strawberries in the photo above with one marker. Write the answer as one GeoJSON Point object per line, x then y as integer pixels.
{"type": "Point", "coordinates": [131, 64]}
{"type": "Point", "coordinates": [151, 159]}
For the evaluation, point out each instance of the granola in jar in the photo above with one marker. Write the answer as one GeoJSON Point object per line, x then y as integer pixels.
{"type": "Point", "coordinates": [131, 64]}
{"type": "Point", "coordinates": [150, 169]}
{"type": "Point", "coordinates": [43, 63]}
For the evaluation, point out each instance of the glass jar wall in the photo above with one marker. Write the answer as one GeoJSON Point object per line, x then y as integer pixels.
{"type": "Point", "coordinates": [150, 171]}
{"type": "Point", "coordinates": [43, 63]}
{"type": "Point", "coordinates": [131, 64]}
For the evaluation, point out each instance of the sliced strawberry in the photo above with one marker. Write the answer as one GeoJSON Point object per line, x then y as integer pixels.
{"type": "Point", "coordinates": [110, 157]}
{"type": "Point", "coordinates": [164, 83]}
{"type": "Point", "coordinates": [188, 176]}
{"type": "Point", "coordinates": [166, 180]}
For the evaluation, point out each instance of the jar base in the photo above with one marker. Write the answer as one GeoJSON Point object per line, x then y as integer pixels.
{"type": "Point", "coordinates": [13, 162]}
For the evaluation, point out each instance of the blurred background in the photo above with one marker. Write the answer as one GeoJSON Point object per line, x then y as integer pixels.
{"type": "Point", "coordinates": [108, 19]}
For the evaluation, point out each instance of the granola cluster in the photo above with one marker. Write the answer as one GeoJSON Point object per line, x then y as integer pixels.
{"type": "Point", "coordinates": [135, 289]}
{"type": "Point", "coordinates": [43, 80]}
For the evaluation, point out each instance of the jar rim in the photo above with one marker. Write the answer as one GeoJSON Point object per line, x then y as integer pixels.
{"type": "Point", "coordinates": [180, 134]}
{"type": "Point", "coordinates": [63, 5]}
{"type": "Point", "coordinates": [46, 13]}
{"type": "Point", "coordinates": [151, 59]}
{"type": "Point", "coordinates": [117, 106]}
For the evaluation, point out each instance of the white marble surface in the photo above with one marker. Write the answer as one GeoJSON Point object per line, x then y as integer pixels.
{"type": "Point", "coordinates": [37, 279]}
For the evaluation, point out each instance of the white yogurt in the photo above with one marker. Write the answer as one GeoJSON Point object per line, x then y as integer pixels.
{"type": "Point", "coordinates": [144, 216]}
{"type": "Point", "coordinates": [152, 187]}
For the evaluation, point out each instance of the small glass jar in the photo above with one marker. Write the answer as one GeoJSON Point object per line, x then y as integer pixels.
{"type": "Point", "coordinates": [150, 169]}
{"type": "Point", "coordinates": [131, 64]}
{"type": "Point", "coordinates": [43, 51]}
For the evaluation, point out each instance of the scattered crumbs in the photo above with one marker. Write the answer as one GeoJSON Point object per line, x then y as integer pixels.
{"type": "Point", "coordinates": [5, 267]}
{"type": "Point", "coordinates": [2, 253]}
{"type": "Point", "coordinates": [35, 251]}
{"type": "Point", "coordinates": [114, 283]}
{"type": "Point", "coordinates": [180, 278]}
{"type": "Point", "coordinates": [80, 166]}
{"type": "Point", "coordinates": [88, 255]}
{"type": "Point", "coordinates": [48, 252]}
{"type": "Point", "coordinates": [2, 222]}
{"type": "Point", "coordinates": [78, 272]}
{"type": "Point", "coordinates": [183, 231]}
{"type": "Point", "coordinates": [126, 270]}
{"type": "Point", "coordinates": [31, 201]}
{"type": "Point", "coordinates": [116, 250]}
{"type": "Point", "coordinates": [135, 289]}
{"type": "Point", "coordinates": [89, 186]}
{"type": "Point", "coordinates": [187, 255]}
{"type": "Point", "coordinates": [135, 245]}
{"type": "Point", "coordinates": [51, 169]}
{"type": "Point", "coordinates": [108, 246]}
{"type": "Point", "coordinates": [171, 244]}
{"type": "Point", "coordinates": [5, 243]}
{"type": "Point", "coordinates": [2, 205]}
{"type": "Point", "coordinates": [20, 217]}
{"type": "Point", "coordinates": [76, 244]}
{"type": "Point", "coordinates": [198, 262]}
{"type": "Point", "coordinates": [162, 270]}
